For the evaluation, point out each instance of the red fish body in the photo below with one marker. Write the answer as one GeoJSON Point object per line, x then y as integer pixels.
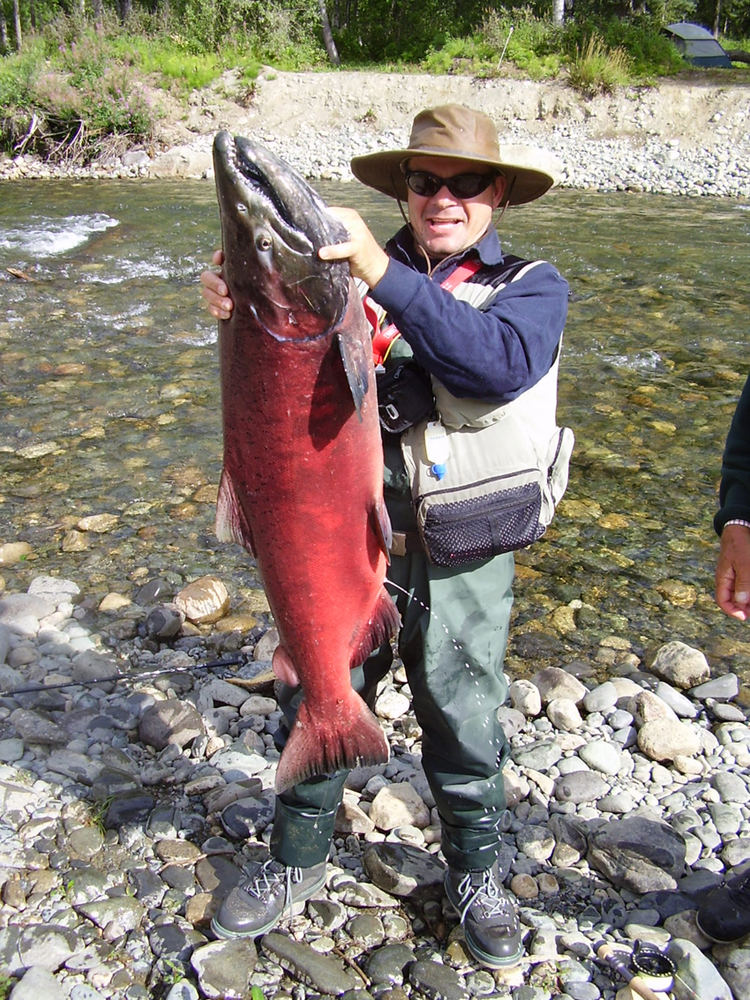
{"type": "Point", "coordinates": [301, 487]}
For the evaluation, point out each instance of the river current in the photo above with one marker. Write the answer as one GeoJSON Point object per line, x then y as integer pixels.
{"type": "Point", "coordinates": [110, 404]}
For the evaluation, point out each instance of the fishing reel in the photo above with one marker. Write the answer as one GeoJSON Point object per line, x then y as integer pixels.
{"type": "Point", "coordinates": [653, 966]}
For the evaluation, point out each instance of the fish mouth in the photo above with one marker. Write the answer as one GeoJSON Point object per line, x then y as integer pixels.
{"type": "Point", "coordinates": [273, 224]}
{"type": "Point", "coordinates": [261, 185]}
{"type": "Point", "coordinates": [260, 179]}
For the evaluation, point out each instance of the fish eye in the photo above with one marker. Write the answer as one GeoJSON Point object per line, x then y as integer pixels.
{"type": "Point", "coordinates": [263, 242]}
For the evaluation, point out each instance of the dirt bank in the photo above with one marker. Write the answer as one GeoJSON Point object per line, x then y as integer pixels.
{"type": "Point", "coordinates": [699, 109]}
{"type": "Point", "coordinates": [317, 121]}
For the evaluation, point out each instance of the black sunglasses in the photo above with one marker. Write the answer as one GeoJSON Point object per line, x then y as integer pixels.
{"type": "Point", "coordinates": [425, 184]}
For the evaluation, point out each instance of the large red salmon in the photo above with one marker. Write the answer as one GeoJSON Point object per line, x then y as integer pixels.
{"type": "Point", "coordinates": [302, 485]}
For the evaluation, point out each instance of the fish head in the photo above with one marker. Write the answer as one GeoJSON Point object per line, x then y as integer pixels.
{"type": "Point", "coordinates": [273, 224]}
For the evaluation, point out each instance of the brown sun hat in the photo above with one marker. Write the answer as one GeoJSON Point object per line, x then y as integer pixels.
{"type": "Point", "coordinates": [455, 131]}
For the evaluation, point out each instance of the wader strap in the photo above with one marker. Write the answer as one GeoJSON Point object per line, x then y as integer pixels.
{"type": "Point", "coordinates": [382, 340]}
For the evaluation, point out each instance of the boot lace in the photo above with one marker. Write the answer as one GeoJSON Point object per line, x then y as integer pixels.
{"type": "Point", "coordinates": [482, 888]}
{"type": "Point", "coordinates": [264, 882]}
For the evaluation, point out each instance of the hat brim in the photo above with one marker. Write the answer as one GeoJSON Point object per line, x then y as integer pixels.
{"type": "Point", "coordinates": [529, 172]}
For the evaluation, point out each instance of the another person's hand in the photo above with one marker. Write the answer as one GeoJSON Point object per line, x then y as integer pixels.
{"type": "Point", "coordinates": [367, 259]}
{"type": "Point", "coordinates": [733, 571]}
{"type": "Point", "coordinates": [215, 290]}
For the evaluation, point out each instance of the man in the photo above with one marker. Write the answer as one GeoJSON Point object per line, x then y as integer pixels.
{"type": "Point", "coordinates": [724, 914]}
{"type": "Point", "coordinates": [486, 342]}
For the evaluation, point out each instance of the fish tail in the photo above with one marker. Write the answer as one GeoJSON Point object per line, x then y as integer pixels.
{"type": "Point", "coordinates": [350, 737]}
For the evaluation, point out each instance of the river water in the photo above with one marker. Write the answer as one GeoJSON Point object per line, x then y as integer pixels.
{"type": "Point", "coordinates": [110, 404]}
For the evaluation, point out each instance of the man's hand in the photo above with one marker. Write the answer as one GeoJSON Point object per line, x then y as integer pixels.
{"type": "Point", "coordinates": [367, 259]}
{"type": "Point", "coordinates": [215, 290]}
{"type": "Point", "coordinates": [733, 571]}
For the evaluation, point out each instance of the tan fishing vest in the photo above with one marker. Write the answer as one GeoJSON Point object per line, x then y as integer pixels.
{"type": "Point", "coordinates": [503, 468]}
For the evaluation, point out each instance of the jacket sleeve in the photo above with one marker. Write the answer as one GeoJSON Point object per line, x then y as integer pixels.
{"type": "Point", "coordinates": [494, 352]}
{"type": "Point", "coordinates": [734, 491]}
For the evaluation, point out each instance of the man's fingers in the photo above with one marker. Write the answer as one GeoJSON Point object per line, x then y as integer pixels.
{"type": "Point", "coordinates": [337, 251]}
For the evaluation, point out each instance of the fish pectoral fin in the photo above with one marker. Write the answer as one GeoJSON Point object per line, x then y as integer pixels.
{"type": "Point", "coordinates": [381, 523]}
{"type": "Point", "coordinates": [383, 623]}
{"type": "Point", "coordinates": [231, 523]}
{"type": "Point", "coordinates": [356, 353]}
{"type": "Point", "coordinates": [323, 742]}
{"type": "Point", "coordinates": [283, 667]}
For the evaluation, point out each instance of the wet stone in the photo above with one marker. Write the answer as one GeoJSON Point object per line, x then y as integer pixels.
{"type": "Point", "coordinates": [149, 888]}
{"type": "Point", "coordinates": [171, 940]}
{"type": "Point", "coordinates": [366, 928]}
{"type": "Point", "coordinates": [540, 756]}
{"type": "Point", "coordinates": [177, 877]}
{"type": "Point", "coordinates": [217, 874]}
{"type": "Point", "coordinates": [152, 591]}
{"type": "Point", "coordinates": [580, 786]}
{"type": "Point", "coordinates": [324, 973]}
{"type": "Point", "coordinates": [38, 982]}
{"type": "Point", "coordinates": [130, 807]}
{"type": "Point", "coordinates": [640, 854]}
{"type": "Point", "coordinates": [171, 721]}
{"type": "Point", "coordinates": [116, 916]}
{"type": "Point", "coordinates": [47, 946]}
{"type": "Point", "coordinates": [163, 622]}
{"type": "Point", "coordinates": [247, 817]}
{"type": "Point", "coordinates": [723, 688]}
{"type": "Point", "coordinates": [405, 871]}
{"type": "Point", "coordinates": [437, 981]}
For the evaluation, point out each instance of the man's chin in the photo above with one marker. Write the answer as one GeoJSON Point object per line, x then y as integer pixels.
{"type": "Point", "coordinates": [442, 246]}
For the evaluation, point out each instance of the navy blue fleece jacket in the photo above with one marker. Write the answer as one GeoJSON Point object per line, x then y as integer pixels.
{"type": "Point", "coordinates": [493, 353]}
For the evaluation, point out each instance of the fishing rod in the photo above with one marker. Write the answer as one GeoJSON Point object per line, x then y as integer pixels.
{"type": "Point", "coordinates": [230, 661]}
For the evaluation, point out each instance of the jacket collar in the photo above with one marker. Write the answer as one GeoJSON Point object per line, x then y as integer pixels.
{"type": "Point", "coordinates": [403, 248]}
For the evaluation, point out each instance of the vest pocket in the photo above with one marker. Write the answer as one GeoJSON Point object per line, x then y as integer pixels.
{"type": "Point", "coordinates": [471, 528]}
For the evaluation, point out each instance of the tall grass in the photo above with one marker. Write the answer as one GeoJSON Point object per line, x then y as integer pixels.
{"type": "Point", "coordinates": [64, 103]}
{"type": "Point", "coordinates": [596, 68]}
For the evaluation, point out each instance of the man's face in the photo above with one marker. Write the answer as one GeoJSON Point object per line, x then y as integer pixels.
{"type": "Point", "coordinates": [444, 224]}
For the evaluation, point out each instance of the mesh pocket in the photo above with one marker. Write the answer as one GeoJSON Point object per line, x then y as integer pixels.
{"type": "Point", "coordinates": [480, 527]}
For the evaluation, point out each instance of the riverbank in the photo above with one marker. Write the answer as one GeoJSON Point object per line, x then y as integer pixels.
{"type": "Point", "coordinates": [688, 136]}
{"type": "Point", "coordinates": [135, 782]}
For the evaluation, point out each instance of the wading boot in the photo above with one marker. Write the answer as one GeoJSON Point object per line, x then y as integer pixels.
{"type": "Point", "coordinates": [489, 918]}
{"type": "Point", "coordinates": [724, 914]}
{"type": "Point", "coordinates": [268, 889]}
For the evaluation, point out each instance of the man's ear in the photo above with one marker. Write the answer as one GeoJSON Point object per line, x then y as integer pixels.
{"type": "Point", "coordinates": [501, 186]}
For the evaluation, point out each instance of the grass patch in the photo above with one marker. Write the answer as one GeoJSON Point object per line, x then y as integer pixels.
{"type": "Point", "coordinates": [597, 68]}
